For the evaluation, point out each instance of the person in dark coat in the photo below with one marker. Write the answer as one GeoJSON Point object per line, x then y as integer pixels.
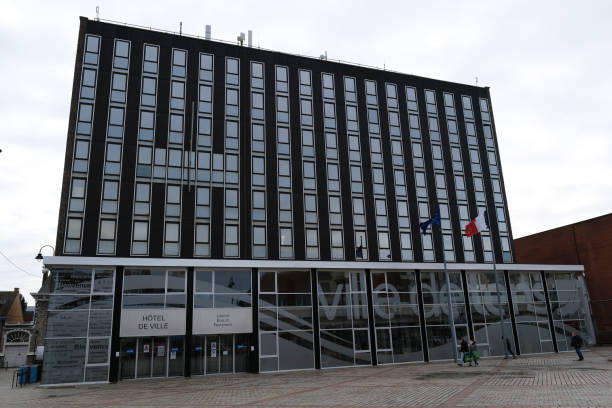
{"type": "Point", "coordinates": [576, 343]}
{"type": "Point", "coordinates": [509, 347]}
{"type": "Point", "coordinates": [473, 353]}
{"type": "Point", "coordinates": [464, 350]}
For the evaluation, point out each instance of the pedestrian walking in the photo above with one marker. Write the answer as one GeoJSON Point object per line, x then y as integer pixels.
{"type": "Point", "coordinates": [473, 353]}
{"type": "Point", "coordinates": [576, 344]}
{"type": "Point", "coordinates": [509, 347]}
{"type": "Point", "coordinates": [464, 351]}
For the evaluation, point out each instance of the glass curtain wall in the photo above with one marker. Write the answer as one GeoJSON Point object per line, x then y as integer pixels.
{"type": "Point", "coordinates": [435, 309]}
{"type": "Point", "coordinates": [222, 288]}
{"type": "Point", "coordinates": [77, 346]}
{"type": "Point", "coordinates": [343, 318]}
{"type": "Point", "coordinates": [530, 312]}
{"type": "Point", "coordinates": [153, 289]}
{"type": "Point", "coordinates": [285, 321]}
{"type": "Point", "coordinates": [485, 313]}
{"type": "Point", "coordinates": [396, 317]}
{"type": "Point", "coordinates": [569, 311]}
{"type": "Point", "coordinates": [153, 356]}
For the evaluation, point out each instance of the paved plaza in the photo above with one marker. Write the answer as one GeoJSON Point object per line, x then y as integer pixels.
{"type": "Point", "coordinates": [551, 380]}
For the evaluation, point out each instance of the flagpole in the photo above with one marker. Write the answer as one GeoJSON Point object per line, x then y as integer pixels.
{"type": "Point", "coordinates": [450, 304]}
{"type": "Point", "coordinates": [501, 309]}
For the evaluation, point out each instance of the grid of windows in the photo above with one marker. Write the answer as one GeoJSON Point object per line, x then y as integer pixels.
{"type": "Point", "coordinates": [333, 167]}
{"type": "Point", "coordinates": [79, 325]}
{"type": "Point", "coordinates": [530, 312]}
{"type": "Point", "coordinates": [485, 311]}
{"type": "Point", "coordinates": [176, 134]}
{"type": "Point", "coordinates": [283, 147]}
{"type": "Point", "coordinates": [399, 173]}
{"type": "Point", "coordinates": [378, 173]}
{"type": "Point", "coordinates": [396, 317]}
{"type": "Point", "coordinates": [258, 161]}
{"type": "Point", "coordinates": [179, 160]}
{"type": "Point", "coordinates": [477, 174]}
{"type": "Point", "coordinates": [343, 318]}
{"type": "Point", "coordinates": [458, 174]}
{"type": "Point", "coordinates": [494, 173]}
{"type": "Point", "coordinates": [418, 163]}
{"type": "Point", "coordinates": [203, 155]}
{"type": "Point", "coordinates": [286, 339]}
{"type": "Point", "coordinates": [145, 146]}
{"type": "Point", "coordinates": [356, 169]}
{"type": "Point", "coordinates": [229, 160]}
{"type": "Point", "coordinates": [109, 207]}
{"type": "Point", "coordinates": [309, 167]}
{"type": "Point", "coordinates": [82, 143]}
{"type": "Point", "coordinates": [437, 159]}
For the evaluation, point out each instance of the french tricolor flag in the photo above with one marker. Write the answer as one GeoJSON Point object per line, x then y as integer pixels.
{"type": "Point", "coordinates": [478, 224]}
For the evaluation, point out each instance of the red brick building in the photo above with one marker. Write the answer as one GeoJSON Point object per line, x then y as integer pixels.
{"type": "Point", "coordinates": [587, 243]}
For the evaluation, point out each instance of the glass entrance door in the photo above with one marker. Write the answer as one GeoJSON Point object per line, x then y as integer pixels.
{"type": "Point", "coordinates": [220, 354]}
{"type": "Point", "coordinates": [128, 358]}
{"type": "Point", "coordinates": [146, 357]}
{"type": "Point", "coordinates": [226, 357]}
{"type": "Point", "coordinates": [198, 354]}
{"type": "Point", "coordinates": [241, 353]}
{"type": "Point", "coordinates": [145, 352]}
{"type": "Point", "coordinates": [160, 357]}
{"type": "Point", "coordinates": [212, 354]}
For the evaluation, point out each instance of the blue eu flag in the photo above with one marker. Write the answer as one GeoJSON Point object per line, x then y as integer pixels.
{"type": "Point", "coordinates": [435, 219]}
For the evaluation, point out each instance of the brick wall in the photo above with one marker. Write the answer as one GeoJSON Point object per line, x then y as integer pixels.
{"type": "Point", "coordinates": [587, 243]}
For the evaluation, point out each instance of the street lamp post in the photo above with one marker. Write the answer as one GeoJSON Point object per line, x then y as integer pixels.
{"type": "Point", "coordinates": [39, 256]}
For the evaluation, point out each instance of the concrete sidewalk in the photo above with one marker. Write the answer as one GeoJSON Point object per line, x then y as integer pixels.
{"type": "Point", "coordinates": [550, 380]}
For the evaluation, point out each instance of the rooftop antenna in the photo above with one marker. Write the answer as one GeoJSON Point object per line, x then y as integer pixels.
{"type": "Point", "coordinates": [250, 42]}
{"type": "Point", "coordinates": [241, 38]}
{"type": "Point", "coordinates": [207, 31]}
{"type": "Point", "coordinates": [97, 13]}
{"type": "Point", "coordinates": [476, 81]}
{"type": "Point", "coordinates": [323, 56]}
{"type": "Point", "coordinates": [181, 28]}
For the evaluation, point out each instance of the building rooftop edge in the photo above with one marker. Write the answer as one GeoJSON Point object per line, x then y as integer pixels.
{"type": "Point", "coordinates": [565, 226]}
{"type": "Point", "coordinates": [231, 43]}
{"type": "Point", "coordinates": [262, 263]}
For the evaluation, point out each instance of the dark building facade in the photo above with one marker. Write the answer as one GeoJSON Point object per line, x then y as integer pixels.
{"type": "Point", "coordinates": [587, 243]}
{"type": "Point", "coordinates": [226, 208]}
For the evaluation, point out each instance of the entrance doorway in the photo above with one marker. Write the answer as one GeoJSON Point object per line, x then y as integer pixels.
{"type": "Point", "coordinates": [220, 354]}
{"type": "Point", "coordinates": [146, 357]}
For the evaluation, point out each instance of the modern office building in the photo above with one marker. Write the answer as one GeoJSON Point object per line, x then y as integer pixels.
{"type": "Point", "coordinates": [587, 243]}
{"type": "Point", "coordinates": [226, 208]}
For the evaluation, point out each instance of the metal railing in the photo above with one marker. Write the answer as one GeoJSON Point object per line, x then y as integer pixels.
{"type": "Point", "coordinates": [182, 34]}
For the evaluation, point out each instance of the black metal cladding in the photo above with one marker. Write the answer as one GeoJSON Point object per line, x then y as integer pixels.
{"type": "Point", "coordinates": [166, 42]}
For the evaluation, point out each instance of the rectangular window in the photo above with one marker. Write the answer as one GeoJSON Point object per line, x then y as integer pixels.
{"type": "Point", "coordinates": [140, 237]}
{"type": "Point", "coordinates": [171, 239]}
{"type": "Point", "coordinates": [77, 195]}
{"type": "Point", "coordinates": [203, 202]}
{"type": "Point", "coordinates": [74, 228]}
{"type": "Point", "coordinates": [231, 204]}
{"type": "Point", "coordinates": [179, 62]}
{"type": "Point", "coordinates": [106, 241]}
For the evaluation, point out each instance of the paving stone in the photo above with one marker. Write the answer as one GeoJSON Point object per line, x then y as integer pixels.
{"type": "Point", "coordinates": [552, 380]}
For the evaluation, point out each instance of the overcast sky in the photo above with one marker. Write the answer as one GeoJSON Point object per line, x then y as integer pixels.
{"type": "Point", "coordinates": [547, 63]}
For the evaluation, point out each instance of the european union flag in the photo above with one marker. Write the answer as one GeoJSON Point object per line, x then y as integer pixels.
{"type": "Point", "coordinates": [435, 219]}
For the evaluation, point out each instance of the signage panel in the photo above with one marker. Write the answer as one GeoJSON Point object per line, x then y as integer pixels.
{"type": "Point", "coordinates": [152, 322]}
{"type": "Point", "coordinates": [222, 320]}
